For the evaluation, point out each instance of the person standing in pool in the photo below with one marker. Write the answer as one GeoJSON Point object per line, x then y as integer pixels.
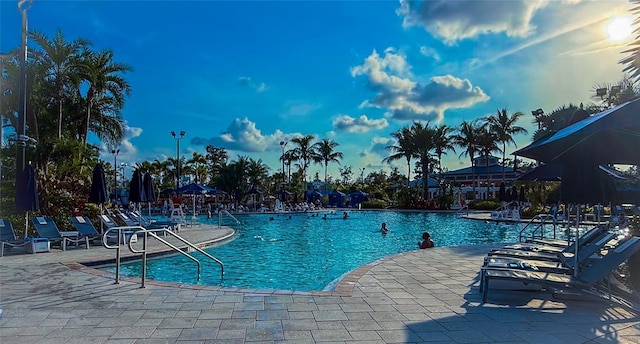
{"type": "Point", "coordinates": [384, 229]}
{"type": "Point", "coordinates": [426, 241]}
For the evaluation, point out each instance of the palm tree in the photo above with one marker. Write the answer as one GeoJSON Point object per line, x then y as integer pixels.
{"type": "Point", "coordinates": [504, 127]}
{"type": "Point", "coordinates": [487, 143]}
{"type": "Point", "coordinates": [442, 142]}
{"type": "Point", "coordinates": [422, 136]}
{"type": "Point", "coordinates": [198, 163]}
{"type": "Point", "coordinates": [61, 60]}
{"type": "Point", "coordinates": [305, 152]}
{"type": "Point", "coordinates": [467, 138]}
{"type": "Point", "coordinates": [105, 83]}
{"type": "Point", "coordinates": [325, 150]}
{"type": "Point", "coordinates": [404, 147]}
{"type": "Point", "coordinates": [257, 172]}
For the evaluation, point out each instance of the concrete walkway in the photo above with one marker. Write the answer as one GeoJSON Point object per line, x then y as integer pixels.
{"type": "Point", "coordinates": [416, 297]}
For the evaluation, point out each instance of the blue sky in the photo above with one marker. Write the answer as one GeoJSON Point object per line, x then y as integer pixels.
{"type": "Point", "coordinates": [247, 75]}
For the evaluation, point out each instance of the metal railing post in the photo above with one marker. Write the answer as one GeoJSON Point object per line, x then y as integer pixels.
{"type": "Point", "coordinates": [144, 259]}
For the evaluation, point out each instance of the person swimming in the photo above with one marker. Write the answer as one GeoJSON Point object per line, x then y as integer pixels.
{"type": "Point", "coordinates": [345, 215]}
{"type": "Point", "coordinates": [426, 241]}
{"type": "Point", "coordinates": [384, 229]}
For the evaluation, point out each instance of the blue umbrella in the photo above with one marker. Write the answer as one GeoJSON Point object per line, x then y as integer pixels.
{"type": "Point", "coordinates": [149, 191]}
{"type": "Point", "coordinates": [27, 194]}
{"type": "Point", "coordinates": [136, 188]}
{"type": "Point", "coordinates": [194, 188]}
{"type": "Point", "coordinates": [98, 193]}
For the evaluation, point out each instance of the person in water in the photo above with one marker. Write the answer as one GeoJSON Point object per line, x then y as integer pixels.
{"type": "Point", "coordinates": [384, 229]}
{"type": "Point", "coordinates": [426, 241]}
{"type": "Point", "coordinates": [345, 215]}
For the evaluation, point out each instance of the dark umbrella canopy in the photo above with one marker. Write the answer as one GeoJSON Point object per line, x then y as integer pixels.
{"type": "Point", "coordinates": [194, 188]}
{"type": "Point", "coordinates": [136, 188]}
{"type": "Point", "coordinates": [149, 191]}
{"type": "Point", "coordinates": [27, 191]}
{"type": "Point", "coordinates": [98, 193]}
{"type": "Point", "coordinates": [586, 184]}
{"type": "Point", "coordinates": [254, 192]}
{"type": "Point", "coordinates": [502, 193]}
{"type": "Point", "coordinates": [611, 136]}
{"type": "Point", "coordinates": [546, 172]}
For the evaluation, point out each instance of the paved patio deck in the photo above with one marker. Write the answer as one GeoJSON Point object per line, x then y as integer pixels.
{"type": "Point", "coordinates": [416, 297]}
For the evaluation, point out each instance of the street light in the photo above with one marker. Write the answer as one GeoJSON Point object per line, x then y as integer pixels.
{"type": "Point", "coordinates": [122, 166]}
{"type": "Point", "coordinates": [23, 7]}
{"type": "Point", "coordinates": [362, 174]}
{"type": "Point", "coordinates": [178, 138]}
{"type": "Point", "coordinates": [115, 153]}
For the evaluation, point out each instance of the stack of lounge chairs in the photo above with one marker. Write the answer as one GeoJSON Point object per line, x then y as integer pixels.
{"type": "Point", "coordinates": [549, 266]}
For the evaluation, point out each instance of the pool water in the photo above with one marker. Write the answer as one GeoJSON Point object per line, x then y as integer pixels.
{"type": "Point", "coordinates": [304, 252]}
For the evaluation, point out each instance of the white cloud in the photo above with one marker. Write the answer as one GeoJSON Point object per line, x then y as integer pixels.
{"type": "Point", "coordinates": [361, 124]}
{"type": "Point", "coordinates": [242, 135]}
{"type": "Point", "coordinates": [249, 83]}
{"type": "Point", "coordinates": [406, 99]}
{"type": "Point", "coordinates": [452, 21]}
{"type": "Point", "coordinates": [430, 52]}
{"type": "Point", "coordinates": [128, 152]}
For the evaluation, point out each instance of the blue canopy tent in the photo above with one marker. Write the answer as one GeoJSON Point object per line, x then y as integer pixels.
{"type": "Point", "coordinates": [337, 199]}
{"type": "Point", "coordinates": [358, 197]}
{"type": "Point", "coordinates": [312, 196]}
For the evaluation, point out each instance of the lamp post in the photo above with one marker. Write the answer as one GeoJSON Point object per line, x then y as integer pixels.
{"type": "Point", "coordinates": [178, 138]}
{"type": "Point", "coordinates": [362, 175]}
{"type": "Point", "coordinates": [122, 166]}
{"type": "Point", "coordinates": [115, 153]}
{"type": "Point", "coordinates": [23, 7]}
{"type": "Point", "coordinates": [536, 114]}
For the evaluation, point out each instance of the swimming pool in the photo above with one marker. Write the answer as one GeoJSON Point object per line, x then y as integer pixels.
{"type": "Point", "coordinates": [304, 252]}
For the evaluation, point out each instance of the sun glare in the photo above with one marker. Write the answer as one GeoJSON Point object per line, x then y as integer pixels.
{"type": "Point", "coordinates": [619, 28]}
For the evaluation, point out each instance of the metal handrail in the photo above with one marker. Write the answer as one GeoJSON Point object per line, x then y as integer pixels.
{"type": "Point", "coordinates": [153, 232]}
{"type": "Point", "coordinates": [225, 211]}
{"type": "Point", "coordinates": [542, 222]}
{"type": "Point", "coordinates": [105, 243]}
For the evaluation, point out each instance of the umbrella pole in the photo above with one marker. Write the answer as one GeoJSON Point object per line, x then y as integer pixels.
{"type": "Point", "coordinates": [101, 224]}
{"type": "Point", "coordinates": [26, 223]}
{"type": "Point", "coordinates": [577, 241]}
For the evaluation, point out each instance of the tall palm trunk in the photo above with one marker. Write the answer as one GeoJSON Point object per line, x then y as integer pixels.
{"type": "Point", "coordinates": [473, 179]}
{"type": "Point", "coordinates": [504, 148]}
{"type": "Point", "coordinates": [90, 96]}
{"type": "Point", "coordinates": [59, 112]}
{"type": "Point", "coordinates": [487, 165]}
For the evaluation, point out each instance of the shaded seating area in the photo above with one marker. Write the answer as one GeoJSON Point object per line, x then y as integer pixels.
{"type": "Point", "coordinates": [46, 228]}
{"type": "Point", "coordinates": [559, 283]}
{"type": "Point", "coordinates": [8, 237]}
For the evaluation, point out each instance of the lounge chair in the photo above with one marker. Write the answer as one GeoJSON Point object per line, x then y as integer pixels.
{"type": "Point", "coordinates": [8, 237]}
{"type": "Point", "coordinates": [84, 227]}
{"type": "Point", "coordinates": [560, 242]}
{"type": "Point", "coordinates": [562, 245]}
{"type": "Point", "coordinates": [151, 224]}
{"type": "Point", "coordinates": [46, 228]}
{"type": "Point", "coordinates": [110, 223]}
{"type": "Point", "coordinates": [566, 256]}
{"type": "Point", "coordinates": [559, 283]}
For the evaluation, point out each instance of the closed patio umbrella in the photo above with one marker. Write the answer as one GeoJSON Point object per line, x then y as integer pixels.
{"type": "Point", "coordinates": [27, 194]}
{"type": "Point", "coordinates": [136, 188]}
{"type": "Point", "coordinates": [98, 193]}
{"type": "Point", "coordinates": [149, 191]}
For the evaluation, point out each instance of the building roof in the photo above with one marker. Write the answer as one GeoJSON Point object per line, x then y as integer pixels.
{"type": "Point", "coordinates": [478, 170]}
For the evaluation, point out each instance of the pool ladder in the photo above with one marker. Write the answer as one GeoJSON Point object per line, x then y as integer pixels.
{"type": "Point", "coordinates": [127, 233]}
{"type": "Point", "coordinates": [226, 212]}
{"type": "Point", "coordinates": [539, 221]}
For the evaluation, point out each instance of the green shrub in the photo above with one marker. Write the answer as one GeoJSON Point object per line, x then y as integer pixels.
{"type": "Point", "coordinates": [485, 205]}
{"type": "Point", "coordinates": [375, 204]}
